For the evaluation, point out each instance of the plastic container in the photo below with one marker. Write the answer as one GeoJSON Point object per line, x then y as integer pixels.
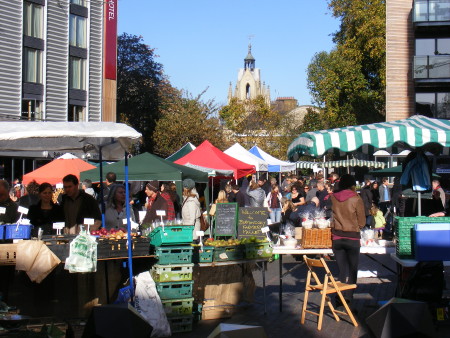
{"type": "Point", "coordinates": [403, 228]}
{"type": "Point", "coordinates": [432, 241]}
{"type": "Point", "coordinates": [174, 254]}
{"type": "Point", "coordinates": [2, 232]}
{"type": "Point", "coordinates": [258, 250]}
{"type": "Point", "coordinates": [172, 235]}
{"type": "Point", "coordinates": [180, 323]}
{"type": "Point", "coordinates": [172, 273]}
{"type": "Point", "coordinates": [12, 231]}
{"type": "Point", "coordinates": [228, 253]}
{"type": "Point", "coordinates": [177, 307]}
{"type": "Point", "coordinates": [206, 256]}
{"type": "Point", "coordinates": [175, 290]}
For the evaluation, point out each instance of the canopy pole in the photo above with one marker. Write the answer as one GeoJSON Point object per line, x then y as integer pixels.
{"type": "Point", "coordinates": [130, 245]}
{"type": "Point", "coordinates": [102, 202]}
{"type": "Point", "coordinates": [419, 204]}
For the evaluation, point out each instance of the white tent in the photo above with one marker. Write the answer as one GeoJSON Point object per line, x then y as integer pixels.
{"type": "Point", "coordinates": [240, 153]}
{"type": "Point", "coordinates": [88, 137]}
{"type": "Point", "coordinates": [275, 165]}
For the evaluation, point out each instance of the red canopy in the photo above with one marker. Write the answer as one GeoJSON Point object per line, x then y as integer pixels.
{"type": "Point", "coordinates": [206, 155]}
{"type": "Point", "coordinates": [54, 171]}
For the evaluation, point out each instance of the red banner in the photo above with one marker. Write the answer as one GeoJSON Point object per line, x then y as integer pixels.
{"type": "Point", "coordinates": [111, 40]}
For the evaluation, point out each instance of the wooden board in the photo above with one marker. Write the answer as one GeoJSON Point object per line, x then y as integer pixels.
{"type": "Point", "coordinates": [251, 220]}
{"type": "Point", "coordinates": [226, 219]}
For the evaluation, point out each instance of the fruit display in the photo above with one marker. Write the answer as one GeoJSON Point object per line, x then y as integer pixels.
{"type": "Point", "coordinates": [254, 239]}
{"type": "Point", "coordinates": [221, 242]}
{"type": "Point", "coordinates": [112, 233]}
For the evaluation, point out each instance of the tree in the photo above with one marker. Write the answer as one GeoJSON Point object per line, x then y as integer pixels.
{"type": "Point", "coordinates": [348, 83]}
{"type": "Point", "coordinates": [140, 82]}
{"type": "Point", "coordinates": [184, 119]}
{"type": "Point", "coordinates": [254, 122]}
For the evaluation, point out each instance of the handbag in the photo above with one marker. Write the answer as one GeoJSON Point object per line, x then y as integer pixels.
{"type": "Point", "coordinates": [204, 225]}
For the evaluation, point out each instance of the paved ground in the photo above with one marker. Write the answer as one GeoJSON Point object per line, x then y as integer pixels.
{"type": "Point", "coordinates": [370, 291]}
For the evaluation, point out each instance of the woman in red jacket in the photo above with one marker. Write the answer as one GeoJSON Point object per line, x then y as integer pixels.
{"type": "Point", "coordinates": [348, 219]}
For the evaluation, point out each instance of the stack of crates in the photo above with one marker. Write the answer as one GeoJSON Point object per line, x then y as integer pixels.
{"type": "Point", "coordinates": [173, 274]}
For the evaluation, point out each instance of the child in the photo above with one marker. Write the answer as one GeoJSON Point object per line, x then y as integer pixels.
{"type": "Point", "coordinates": [380, 222]}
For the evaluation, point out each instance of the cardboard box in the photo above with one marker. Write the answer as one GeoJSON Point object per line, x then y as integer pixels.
{"type": "Point", "coordinates": [298, 233]}
{"type": "Point", "coordinates": [237, 331]}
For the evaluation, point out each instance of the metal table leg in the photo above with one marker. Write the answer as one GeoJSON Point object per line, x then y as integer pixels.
{"type": "Point", "coordinates": [264, 267]}
{"type": "Point", "coordinates": [280, 259]}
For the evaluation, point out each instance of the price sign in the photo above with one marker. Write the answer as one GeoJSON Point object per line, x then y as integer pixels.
{"type": "Point", "coordinates": [265, 230]}
{"type": "Point", "coordinates": [200, 233]}
{"type": "Point", "coordinates": [58, 225]}
{"type": "Point", "coordinates": [2, 210]}
{"type": "Point", "coordinates": [88, 221]}
{"type": "Point", "coordinates": [160, 213]}
{"type": "Point", "coordinates": [22, 210]}
{"type": "Point", "coordinates": [142, 215]}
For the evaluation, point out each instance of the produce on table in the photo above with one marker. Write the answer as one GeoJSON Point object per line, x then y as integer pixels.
{"type": "Point", "coordinates": [112, 233]}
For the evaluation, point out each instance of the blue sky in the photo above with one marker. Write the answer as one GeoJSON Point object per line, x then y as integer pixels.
{"type": "Point", "coordinates": [202, 43]}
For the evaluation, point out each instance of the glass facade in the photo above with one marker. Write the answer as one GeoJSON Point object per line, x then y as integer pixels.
{"type": "Point", "coordinates": [33, 20]}
{"type": "Point", "coordinates": [435, 105]}
{"type": "Point", "coordinates": [77, 31]}
{"type": "Point", "coordinates": [79, 2]}
{"type": "Point", "coordinates": [77, 73]}
{"type": "Point", "coordinates": [431, 10]}
{"type": "Point", "coordinates": [32, 65]}
{"type": "Point", "coordinates": [432, 58]}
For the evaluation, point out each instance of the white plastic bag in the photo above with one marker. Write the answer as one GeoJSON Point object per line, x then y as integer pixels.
{"type": "Point", "coordinates": [83, 254]}
{"type": "Point", "coordinates": [148, 304]}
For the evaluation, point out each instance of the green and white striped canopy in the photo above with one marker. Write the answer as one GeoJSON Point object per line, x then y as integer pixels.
{"type": "Point", "coordinates": [354, 163]}
{"type": "Point", "coordinates": [414, 131]}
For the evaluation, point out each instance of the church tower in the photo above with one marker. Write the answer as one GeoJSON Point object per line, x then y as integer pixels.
{"type": "Point", "coordinates": [249, 85]}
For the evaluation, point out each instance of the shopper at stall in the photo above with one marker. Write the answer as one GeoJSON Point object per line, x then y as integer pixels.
{"type": "Point", "coordinates": [367, 197]}
{"type": "Point", "coordinates": [273, 201]}
{"type": "Point", "coordinates": [190, 209]}
{"type": "Point", "coordinates": [10, 216]}
{"type": "Point", "coordinates": [44, 213]}
{"type": "Point", "coordinates": [297, 195]}
{"type": "Point", "coordinates": [437, 190]}
{"type": "Point", "coordinates": [385, 195]}
{"type": "Point", "coordinates": [77, 206]}
{"type": "Point", "coordinates": [236, 196]}
{"type": "Point", "coordinates": [374, 188]}
{"type": "Point", "coordinates": [221, 198]}
{"type": "Point", "coordinates": [31, 195]}
{"type": "Point", "coordinates": [286, 211]}
{"type": "Point", "coordinates": [166, 193]}
{"type": "Point", "coordinates": [154, 202]}
{"type": "Point", "coordinates": [321, 193]}
{"type": "Point", "coordinates": [116, 211]}
{"type": "Point", "coordinates": [256, 195]}
{"type": "Point", "coordinates": [348, 219]}
{"type": "Point", "coordinates": [106, 187]}
{"type": "Point", "coordinates": [306, 210]}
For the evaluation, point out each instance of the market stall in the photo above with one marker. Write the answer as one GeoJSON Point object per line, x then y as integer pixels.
{"type": "Point", "coordinates": [275, 165]}
{"type": "Point", "coordinates": [239, 152]}
{"type": "Point", "coordinates": [184, 150]}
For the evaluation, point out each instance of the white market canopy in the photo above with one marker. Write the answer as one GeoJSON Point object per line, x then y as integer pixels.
{"type": "Point", "coordinates": [275, 165]}
{"type": "Point", "coordinates": [240, 153]}
{"type": "Point", "coordinates": [68, 136]}
{"type": "Point", "coordinates": [414, 131]}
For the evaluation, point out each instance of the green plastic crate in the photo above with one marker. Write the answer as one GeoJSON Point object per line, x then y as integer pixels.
{"type": "Point", "coordinates": [229, 253]}
{"type": "Point", "coordinates": [178, 307]}
{"type": "Point", "coordinates": [174, 254]}
{"type": "Point", "coordinates": [172, 235]}
{"type": "Point", "coordinates": [180, 323]}
{"type": "Point", "coordinates": [258, 250]}
{"type": "Point", "coordinates": [172, 273]}
{"type": "Point", "coordinates": [403, 227]}
{"type": "Point", "coordinates": [175, 290]}
{"type": "Point", "coordinates": [206, 256]}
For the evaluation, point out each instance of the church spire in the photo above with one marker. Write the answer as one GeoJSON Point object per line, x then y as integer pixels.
{"type": "Point", "coordinates": [249, 61]}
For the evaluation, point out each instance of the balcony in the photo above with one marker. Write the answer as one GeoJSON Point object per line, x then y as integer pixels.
{"type": "Point", "coordinates": [432, 67]}
{"type": "Point", "coordinates": [431, 10]}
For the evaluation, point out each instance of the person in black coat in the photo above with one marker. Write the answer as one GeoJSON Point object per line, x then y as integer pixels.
{"type": "Point", "coordinates": [45, 212]}
{"type": "Point", "coordinates": [374, 188]}
{"type": "Point", "coordinates": [367, 197]}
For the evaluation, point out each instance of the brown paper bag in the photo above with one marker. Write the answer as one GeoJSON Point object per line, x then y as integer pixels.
{"type": "Point", "coordinates": [26, 254]}
{"type": "Point", "coordinates": [44, 263]}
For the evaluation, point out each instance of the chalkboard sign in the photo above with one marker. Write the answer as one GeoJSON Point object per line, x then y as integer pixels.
{"type": "Point", "coordinates": [226, 219]}
{"type": "Point", "coordinates": [251, 220]}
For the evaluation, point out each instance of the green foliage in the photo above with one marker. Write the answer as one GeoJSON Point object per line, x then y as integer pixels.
{"type": "Point", "coordinates": [139, 82]}
{"type": "Point", "coordinates": [186, 119]}
{"type": "Point", "coordinates": [348, 83]}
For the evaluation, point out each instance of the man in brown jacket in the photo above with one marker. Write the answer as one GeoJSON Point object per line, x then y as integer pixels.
{"type": "Point", "coordinates": [348, 220]}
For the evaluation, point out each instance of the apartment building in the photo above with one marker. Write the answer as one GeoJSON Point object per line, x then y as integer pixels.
{"type": "Point", "coordinates": [58, 60]}
{"type": "Point", "coordinates": [417, 58]}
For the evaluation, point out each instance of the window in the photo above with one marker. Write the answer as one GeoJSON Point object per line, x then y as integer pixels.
{"type": "Point", "coordinates": [32, 20]}
{"type": "Point", "coordinates": [31, 110]}
{"type": "Point", "coordinates": [76, 113]}
{"type": "Point", "coordinates": [77, 31]}
{"type": "Point", "coordinates": [435, 105]}
{"type": "Point", "coordinates": [77, 73]}
{"type": "Point", "coordinates": [79, 2]}
{"type": "Point", "coordinates": [432, 58]}
{"type": "Point", "coordinates": [32, 65]}
{"type": "Point", "coordinates": [431, 10]}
